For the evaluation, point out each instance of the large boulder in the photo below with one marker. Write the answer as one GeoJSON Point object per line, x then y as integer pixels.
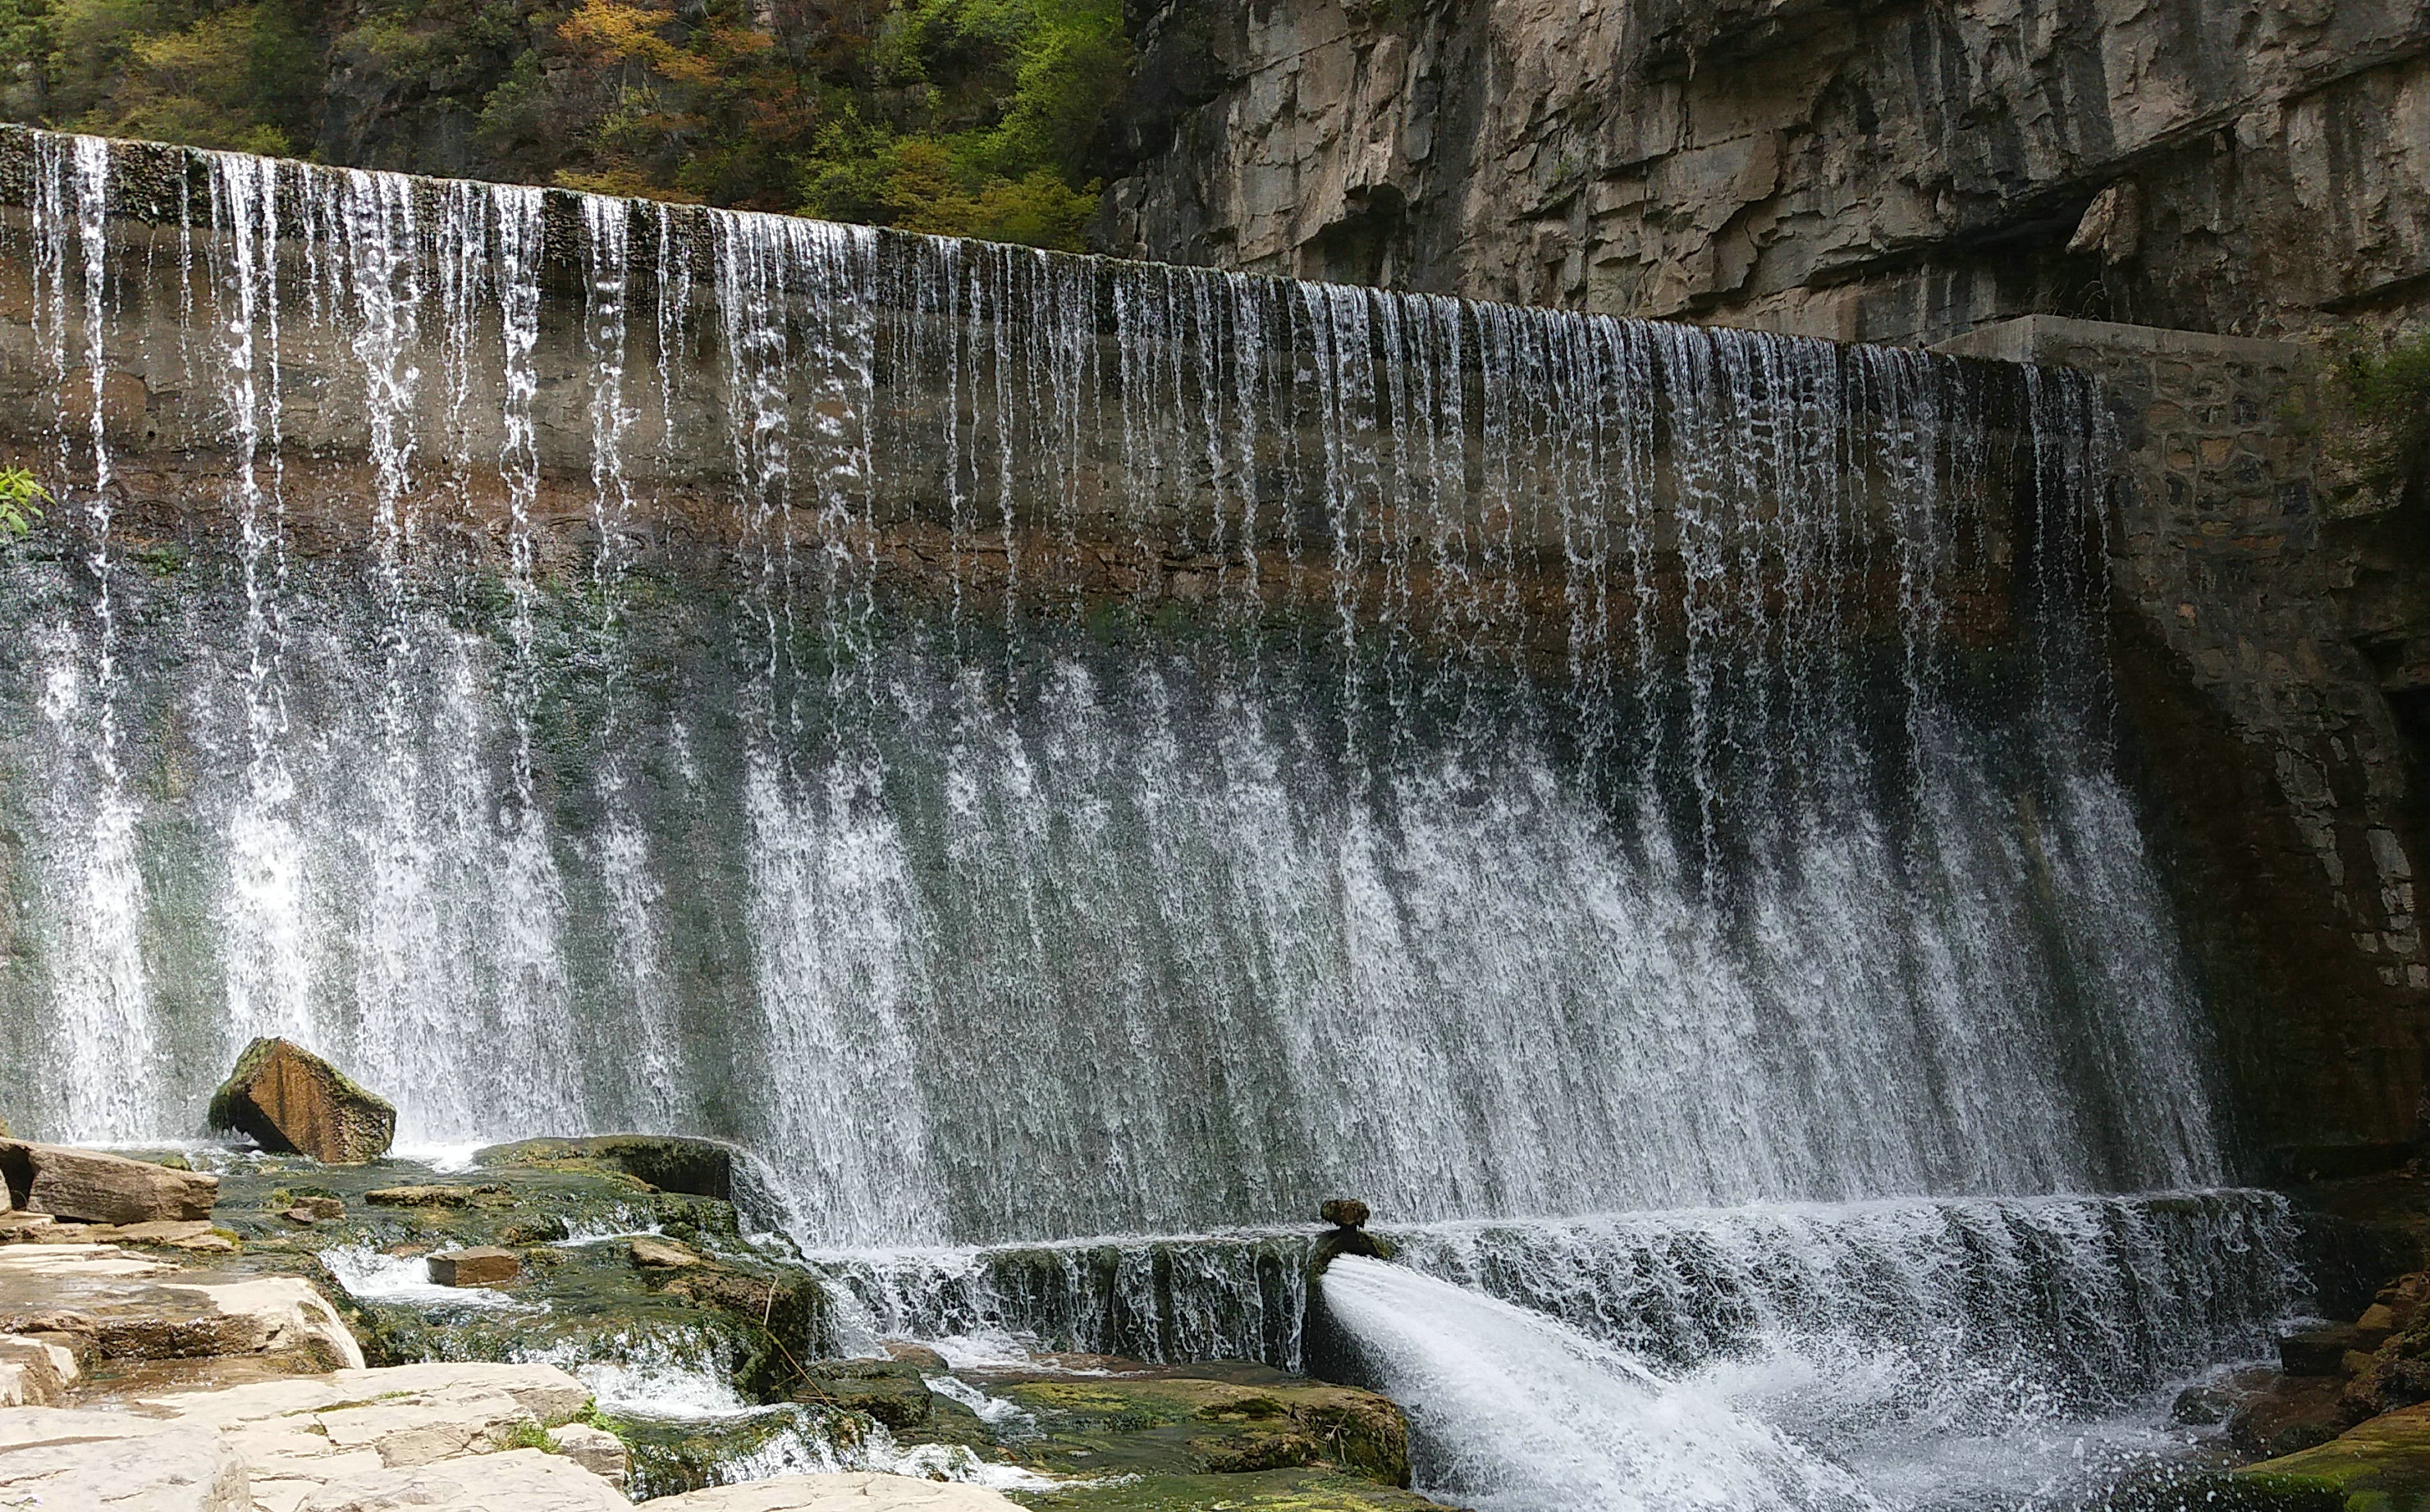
{"type": "Point", "coordinates": [102, 1189]}
{"type": "Point", "coordinates": [290, 1101]}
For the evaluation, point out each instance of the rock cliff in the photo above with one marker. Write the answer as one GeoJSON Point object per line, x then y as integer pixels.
{"type": "Point", "coordinates": [1866, 170]}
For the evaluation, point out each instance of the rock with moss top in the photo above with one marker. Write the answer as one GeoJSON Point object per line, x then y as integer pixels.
{"type": "Point", "coordinates": [2382, 1464]}
{"type": "Point", "coordinates": [290, 1101]}
{"type": "Point", "coordinates": [891, 1391]}
{"type": "Point", "coordinates": [663, 1162]}
{"type": "Point", "coordinates": [1175, 1421]}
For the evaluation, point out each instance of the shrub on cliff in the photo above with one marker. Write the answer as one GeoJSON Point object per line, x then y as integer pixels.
{"type": "Point", "coordinates": [2380, 457]}
{"type": "Point", "coordinates": [21, 506]}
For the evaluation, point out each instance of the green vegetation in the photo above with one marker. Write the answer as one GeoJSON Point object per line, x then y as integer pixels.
{"type": "Point", "coordinates": [2385, 390]}
{"type": "Point", "coordinates": [21, 497]}
{"type": "Point", "coordinates": [962, 117]}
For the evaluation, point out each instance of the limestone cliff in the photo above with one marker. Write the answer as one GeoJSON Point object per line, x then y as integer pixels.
{"type": "Point", "coordinates": [1876, 170]}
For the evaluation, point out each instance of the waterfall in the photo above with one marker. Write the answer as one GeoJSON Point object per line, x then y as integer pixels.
{"type": "Point", "coordinates": [1509, 1409]}
{"type": "Point", "coordinates": [1040, 747]}
{"type": "Point", "coordinates": [1965, 1353]}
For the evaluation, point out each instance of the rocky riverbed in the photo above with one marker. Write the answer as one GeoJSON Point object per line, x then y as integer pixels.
{"type": "Point", "coordinates": [611, 1313]}
{"type": "Point", "coordinates": [580, 1322]}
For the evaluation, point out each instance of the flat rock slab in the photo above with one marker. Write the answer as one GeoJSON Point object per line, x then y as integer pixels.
{"type": "Point", "coordinates": [102, 1189]}
{"type": "Point", "coordinates": [522, 1480]}
{"type": "Point", "coordinates": [841, 1493]}
{"type": "Point", "coordinates": [430, 1438]}
{"type": "Point", "coordinates": [547, 1393]}
{"type": "Point", "coordinates": [123, 1307]}
{"type": "Point", "coordinates": [71, 1461]}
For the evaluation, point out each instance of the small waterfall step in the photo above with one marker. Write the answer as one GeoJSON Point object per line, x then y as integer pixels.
{"type": "Point", "coordinates": [1512, 1411]}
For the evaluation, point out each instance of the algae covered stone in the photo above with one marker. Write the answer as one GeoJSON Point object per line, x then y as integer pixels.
{"type": "Point", "coordinates": [2383, 1464]}
{"type": "Point", "coordinates": [290, 1101]}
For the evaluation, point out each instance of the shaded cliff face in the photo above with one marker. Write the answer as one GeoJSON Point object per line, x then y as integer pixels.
{"type": "Point", "coordinates": [1862, 171]}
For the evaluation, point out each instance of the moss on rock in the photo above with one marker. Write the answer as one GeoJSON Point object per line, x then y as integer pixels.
{"type": "Point", "coordinates": [1272, 1490]}
{"type": "Point", "coordinates": [663, 1162]}
{"type": "Point", "coordinates": [1188, 1420]}
{"type": "Point", "coordinates": [2381, 1466]}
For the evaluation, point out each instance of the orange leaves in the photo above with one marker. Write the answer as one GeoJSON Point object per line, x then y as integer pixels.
{"type": "Point", "coordinates": [615, 32]}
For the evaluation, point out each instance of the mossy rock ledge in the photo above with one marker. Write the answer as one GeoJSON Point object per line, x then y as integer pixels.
{"type": "Point", "coordinates": [1139, 1437]}
{"type": "Point", "coordinates": [748, 1311]}
{"type": "Point", "coordinates": [2381, 1466]}
{"type": "Point", "coordinates": [663, 1162]}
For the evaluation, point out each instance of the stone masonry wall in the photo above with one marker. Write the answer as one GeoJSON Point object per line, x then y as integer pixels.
{"type": "Point", "coordinates": [2244, 632]}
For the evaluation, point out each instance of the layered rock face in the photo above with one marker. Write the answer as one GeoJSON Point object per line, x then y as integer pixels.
{"type": "Point", "coordinates": [1867, 171]}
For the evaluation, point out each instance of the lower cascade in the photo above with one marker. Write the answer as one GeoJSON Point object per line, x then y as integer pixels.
{"type": "Point", "coordinates": [1050, 768]}
{"type": "Point", "coordinates": [1516, 1410]}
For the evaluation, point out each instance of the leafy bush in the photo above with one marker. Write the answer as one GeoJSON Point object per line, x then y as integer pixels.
{"type": "Point", "coordinates": [2385, 448]}
{"type": "Point", "coordinates": [21, 502]}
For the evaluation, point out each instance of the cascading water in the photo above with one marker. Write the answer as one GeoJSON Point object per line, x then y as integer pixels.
{"type": "Point", "coordinates": [1038, 747]}
{"type": "Point", "coordinates": [1511, 1409]}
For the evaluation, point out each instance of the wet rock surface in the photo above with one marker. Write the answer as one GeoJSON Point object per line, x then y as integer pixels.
{"type": "Point", "coordinates": [567, 1265]}
{"type": "Point", "coordinates": [1165, 1423]}
{"type": "Point", "coordinates": [696, 1168]}
{"type": "Point", "coordinates": [483, 1265]}
{"type": "Point", "coordinates": [566, 1225]}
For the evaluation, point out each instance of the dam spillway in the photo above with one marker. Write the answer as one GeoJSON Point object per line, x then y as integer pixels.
{"type": "Point", "coordinates": [1038, 746]}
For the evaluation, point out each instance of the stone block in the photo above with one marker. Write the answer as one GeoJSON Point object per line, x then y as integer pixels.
{"type": "Point", "coordinates": [2319, 1351]}
{"type": "Point", "coordinates": [481, 1265]}
{"type": "Point", "coordinates": [595, 1449]}
{"type": "Point", "coordinates": [653, 1254]}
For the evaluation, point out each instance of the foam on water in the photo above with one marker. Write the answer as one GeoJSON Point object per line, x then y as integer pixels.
{"type": "Point", "coordinates": [1511, 1411]}
{"type": "Point", "coordinates": [371, 1276]}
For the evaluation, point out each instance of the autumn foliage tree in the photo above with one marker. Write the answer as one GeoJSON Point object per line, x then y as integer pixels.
{"type": "Point", "coordinates": [967, 117]}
